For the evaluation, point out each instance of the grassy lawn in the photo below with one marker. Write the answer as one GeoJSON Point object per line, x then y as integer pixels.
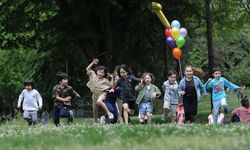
{"type": "Point", "coordinates": [83, 134]}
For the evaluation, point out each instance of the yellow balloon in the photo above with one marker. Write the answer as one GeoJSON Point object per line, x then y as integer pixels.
{"type": "Point", "coordinates": [175, 32]}
{"type": "Point", "coordinates": [157, 7]}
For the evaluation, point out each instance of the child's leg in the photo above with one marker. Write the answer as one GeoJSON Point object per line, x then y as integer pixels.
{"type": "Point", "coordinates": [216, 105]}
{"type": "Point", "coordinates": [70, 117]}
{"type": "Point", "coordinates": [149, 117]}
{"type": "Point", "coordinates": [115, 113]}
{"type": "Point", "coordinates": [27, 117]}
{"type": "Point", "coordinates": [56, 115]}
{"type": "Point", "coordinates": [119, 108]}
{"type": "Point", "coordinates": [103, 105]}
{"type": "Point", "coordinates": [142, 111]}
{"type": "Point", "coordinates": [173, 110]}
{"type": "Point", "coordinates": [166, 109]}
{"type": "Point", "coordinates": [125, 112]}
{"type": "Point", "coordinates": [224, 105]}
{"type": "Point", "coordinates": [95, 111]}
{"type": "Point", "coordinates": [33, 117]}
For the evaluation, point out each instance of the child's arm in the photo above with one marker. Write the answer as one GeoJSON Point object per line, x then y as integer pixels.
{"type": "Point", "coordinates": [39, 100]}
{"type": "Point", "coordinates": [20, 99]}
{"type": "Point", "coordinates": [89, 68]}
{"type": "Point", "coordinates": [139, 86]}
{"type": "Point", "coordinates": [202, 86]}
{"type": "Point", "coordinates": [56, 96]}
{"type": "Point", "coordinates": [230, 85]}
{"type": "Point", "coordinates": [236, 111]}
{"type": "Point", "coordinates": [136, 79]}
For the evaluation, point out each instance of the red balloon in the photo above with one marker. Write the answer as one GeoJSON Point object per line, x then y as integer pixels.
{"type": "Point", "coordinates": [168, 32]}
{"type": "Point", "coordinates": [176, 53]}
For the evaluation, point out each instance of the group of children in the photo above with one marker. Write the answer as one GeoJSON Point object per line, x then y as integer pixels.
{"type": "Point", "coordinates": [116, 95]}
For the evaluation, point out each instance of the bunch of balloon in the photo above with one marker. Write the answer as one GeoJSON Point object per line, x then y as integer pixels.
{"type": "Point", "coordinates": [175, 38]}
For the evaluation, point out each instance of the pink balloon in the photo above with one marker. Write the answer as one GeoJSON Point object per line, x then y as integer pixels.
{"type": "Point", "coordinates": [183, 32]}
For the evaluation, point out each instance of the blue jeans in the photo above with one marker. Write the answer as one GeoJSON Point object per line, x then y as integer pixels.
{"type": "Point", "coordinates": [59, 111]}
{"type": "Point", "coordinates": [216, 109]}
{"type": "Point", "coordinates": [112, 108]}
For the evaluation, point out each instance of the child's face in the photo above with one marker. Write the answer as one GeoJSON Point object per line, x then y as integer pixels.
{"type": "Point", "coordinates": [217, 74]}
{"type": "Point", "coordinates": [172, 78]}
{"type": "Point", "coordinates": [100, 73]}
{"type": "Point", "coordinates": [189, 72]}
{"type": "Point", "coordinates": [64, 81]}
{"type": "Point", "coordinates": [147, 79]}
{"type": "Point", "coordinates": [123, 73]}
{"type": "Point", "coordinates": [28, 87]}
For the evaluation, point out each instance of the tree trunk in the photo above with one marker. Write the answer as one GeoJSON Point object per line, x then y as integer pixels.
{"type": "Point", "coordinates": [209, 39]}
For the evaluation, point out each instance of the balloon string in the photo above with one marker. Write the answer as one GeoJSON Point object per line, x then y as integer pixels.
{"type": "Point", "coordinates": [180, 72]}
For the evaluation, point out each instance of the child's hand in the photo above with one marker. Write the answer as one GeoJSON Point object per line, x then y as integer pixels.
{"type": "Point", "coordinates": [18, 106]}
{"type": "Point", "coordinates": [158, 94]}
{"type": "Point", "coordinates": [95, 61]}
{"type": "Point", "coordinates": [40, 107]}
{"type": "Point", "coordinates": [209, 79]}
{"type": "Point", "coordinates": [67, 99]}
{"type": "Point", "coordinates": [111, 91]}
{"type": "Point", "coordinates": [182, 93]}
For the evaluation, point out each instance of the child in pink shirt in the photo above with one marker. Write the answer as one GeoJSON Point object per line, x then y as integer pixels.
{"type": "Point", "coordinates": [243, 112]}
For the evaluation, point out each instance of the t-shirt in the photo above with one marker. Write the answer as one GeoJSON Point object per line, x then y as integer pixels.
{"type": "Point", "coordinates": [127, 86]}
{"type": "Point", "coordinates": [190, 89]}
{"type": "Point", "coordinates": [243, 113]}
{"type": "Point", "coordinates": [219, 121]}
{"type": "Point", "coordinates": [218, 85]}
{"type": "Point", "coordinates": [98, 85]}
{"type": "Point", "coordinates": [61, 91]}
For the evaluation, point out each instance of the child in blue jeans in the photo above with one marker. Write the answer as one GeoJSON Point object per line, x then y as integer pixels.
{"type": "Point", "coordinates": [147, 94]}
{"type": "Point", "coordinates": [218, 92]}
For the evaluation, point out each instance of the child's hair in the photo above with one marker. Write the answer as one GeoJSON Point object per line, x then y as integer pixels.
{"type": "Point", "coordinates": [188, 66]}
{"type": "Point", "coordinates": [149, 74]}
{"type": "Point", "coordinates": [245, 102]}
{"type": "Point", "coordinates": [61, 75]}
{"type": "Point", "coordinates": [216, 69]}
{"type": "Point", "coordinates": [171, 72]}
{"type": "Point", "coordinates": [124, 67]}
{"type": "Point", "coordinates": [101, 68]}
{"type": "Point", "coordinates": [29, 81]}
{"type": "Point", "coordinates": [198, 71]}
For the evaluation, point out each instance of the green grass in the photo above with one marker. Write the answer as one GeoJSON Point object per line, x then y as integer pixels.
{"type": "Point", "coordinates": [83, 134]}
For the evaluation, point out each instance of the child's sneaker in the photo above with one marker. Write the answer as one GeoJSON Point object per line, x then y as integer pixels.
{"type": "Point", "coordinates": [102, 120]}
{"type": "Point", "coordinates": [110, 115]}
{"type": "Point", "coordinates": [71, 113]}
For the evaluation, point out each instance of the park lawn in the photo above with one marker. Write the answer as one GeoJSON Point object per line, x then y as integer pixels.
{"type": "Point", "coordinates": [83, 134]}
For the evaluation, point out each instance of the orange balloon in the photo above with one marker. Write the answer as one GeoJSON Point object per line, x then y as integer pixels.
{"type": "Point", "coordinates": [177, 53]}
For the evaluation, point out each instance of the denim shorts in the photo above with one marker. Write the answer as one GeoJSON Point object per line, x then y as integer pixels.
{"type": "Point", "coordinates": [145, 107]}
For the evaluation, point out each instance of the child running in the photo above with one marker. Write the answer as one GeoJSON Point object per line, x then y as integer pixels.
{"type": "Point", "coordinates": [147, 94]}
{"type": "Point", "coordinates": [172, 93]}
{"type": "Point", "coordinates": [218, 92]}
{"type": "Point", "coordinates": [127, 94]}
{"type": "Point", "coordinates": [110, 102]}
{"type": "Point", "coordinates": [32, 101]}
{"type": "Point", "coordinates": [99, 85]}
{"type": "Point", "coordinates": [192, 86]}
